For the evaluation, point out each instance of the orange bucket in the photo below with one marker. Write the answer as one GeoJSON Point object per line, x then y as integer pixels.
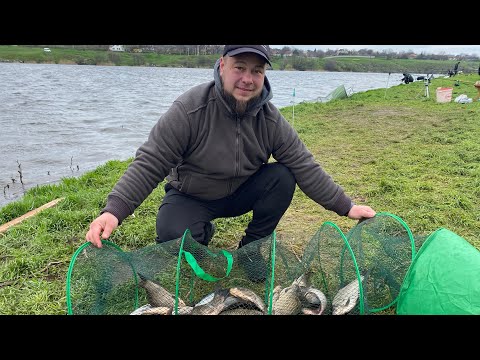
{"type": "Point", "coordinates": [444, 95]}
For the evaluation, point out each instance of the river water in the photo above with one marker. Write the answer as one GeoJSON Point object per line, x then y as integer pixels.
{"type": "Point", "coordinates": [64, 120]}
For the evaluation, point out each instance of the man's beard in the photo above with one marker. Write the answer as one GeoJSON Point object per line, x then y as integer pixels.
{"type": "Point", "coordinates": [239, 106]}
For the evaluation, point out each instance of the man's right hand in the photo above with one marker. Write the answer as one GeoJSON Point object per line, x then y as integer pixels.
{"type": "Point", "coordinates": [104, 225]}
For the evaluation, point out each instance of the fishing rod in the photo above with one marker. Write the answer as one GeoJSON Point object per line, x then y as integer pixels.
{"type": "Point", "coordinates": [464, 81]}
{"type": "Point", "coordinates": [293, 109]}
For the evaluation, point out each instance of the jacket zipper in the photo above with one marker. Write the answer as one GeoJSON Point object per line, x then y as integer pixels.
{"type": "Point", "coordinates": [237, 153]}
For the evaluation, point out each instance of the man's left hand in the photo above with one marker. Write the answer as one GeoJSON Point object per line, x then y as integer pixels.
{"type": "Point", "coordinates": [358, 212]}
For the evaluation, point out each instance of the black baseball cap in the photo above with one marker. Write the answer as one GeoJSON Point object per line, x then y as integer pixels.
{"type": "Point", "coordinates": [262, 50]}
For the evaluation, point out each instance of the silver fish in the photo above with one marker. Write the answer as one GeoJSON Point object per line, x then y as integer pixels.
{"type": "Point", "coordinates": [141, 309]}
{"type": "Point", "coordinates": [242, 311]}
{"type": "Point", "coordinates": [287, 301]}
{"type": "Point", "coordinates": [184, 310]}
{"type": "Point", "coordinates": [276, 293]}
{"type": "Point", "coordinates": [346, 298]}
{"type": "Point", "coordinates": [160, 310]}
{"type": "Point", "coordinates": [248, 297]}
{"type": "Point", "coordinates": [157, 296]}
{"type": "Point", "coordinates": [206, 299]}
{"type": "Point", "coordinates": [220, 301]}
{"type": "Point", "coordinates": [315, 301]}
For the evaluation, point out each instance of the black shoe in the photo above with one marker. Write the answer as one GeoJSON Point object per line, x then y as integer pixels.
{"type": "Point", "coordinates": [209, 231]}
{"type": "Point", "coordinates": [253, 263]}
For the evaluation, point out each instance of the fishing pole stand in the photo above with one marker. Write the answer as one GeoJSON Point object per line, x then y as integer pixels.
{"type": "Point", "coordinates": [426, 81]}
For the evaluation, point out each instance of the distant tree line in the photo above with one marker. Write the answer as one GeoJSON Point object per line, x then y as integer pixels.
{"type": "Point", "coordinates": [159, 49]}
{"type": "Point", "coordinates": [385, 54]}
{"type": "Point", "coordinates": [286, 51]}
{"type": "Point", "coordinates": [205, 56]}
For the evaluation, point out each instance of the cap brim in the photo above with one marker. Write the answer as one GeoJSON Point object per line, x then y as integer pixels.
{"type": "Point", "coordinates": [248, 50]}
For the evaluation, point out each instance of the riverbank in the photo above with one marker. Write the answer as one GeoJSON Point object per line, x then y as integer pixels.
{"type": "Point", "coordinates": [23, 54]}
{"type": "Point", "coordinates": [393, 149]}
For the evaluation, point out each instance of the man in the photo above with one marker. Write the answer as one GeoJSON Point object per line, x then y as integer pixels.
{"type": "Point", "coordinates": [214, 143]}
{"type": "Point", "coordinates": [407, 78]}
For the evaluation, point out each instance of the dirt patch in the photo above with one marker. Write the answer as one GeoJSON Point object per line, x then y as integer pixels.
{"type": "Point", "coordinates": [389, 112]}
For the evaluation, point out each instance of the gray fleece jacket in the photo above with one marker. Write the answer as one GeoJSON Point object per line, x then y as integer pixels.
{"type": "Point", "coordinates": [206, 150]}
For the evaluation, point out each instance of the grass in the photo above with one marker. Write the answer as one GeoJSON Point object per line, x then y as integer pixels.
{"type": "Point", "coordinates": [394, 150]}
{"type": "Point", "coordinates": [100, 57]}
{"type": "Point", "coordinates": [62, 55]}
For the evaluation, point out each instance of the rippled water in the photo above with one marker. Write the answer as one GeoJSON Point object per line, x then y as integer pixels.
{"type": "Point", "coordinates": [63, 120]}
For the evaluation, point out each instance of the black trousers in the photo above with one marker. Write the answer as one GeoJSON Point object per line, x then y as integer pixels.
{"type": "Point", "coordinates": [268, 193]}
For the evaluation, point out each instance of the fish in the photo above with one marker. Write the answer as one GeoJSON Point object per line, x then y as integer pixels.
{"type": "Point", "coordinates": [157, 295]}
{"type": "Point", "coordinates": [219, 302]}
{"type": "Point", "coordinates": [141, 309]}
{"type": "Point", "coordinates": [160, 310]}
{"type": "Point", "coordinates": [233, 298]}
{"type": "Point", "coordinates": [248, 298]}
{"type": "Point", "coordinates": [242, 311]}
{"type": "Point", "coordinates": [287, 301]}
{"type": "Point", "coordinates": [346, 298]}
{"type": "Point", "coordinates": [314, 301]}
{"type": "Point", "coordinates": [184, 310]}
{"type": "Point", "coordinates": [206, 299]}
{"type": "Point", "coordinates": [304, 279]}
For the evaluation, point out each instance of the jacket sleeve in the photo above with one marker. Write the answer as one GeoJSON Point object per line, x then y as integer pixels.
{"type": "Point", "coordinates": [289, 150]}
{"type": "Point", "coordinates": [164, 148]}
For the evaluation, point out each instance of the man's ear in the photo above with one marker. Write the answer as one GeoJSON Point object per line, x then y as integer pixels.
{"type": "Point", "coordinates": [222, 64]}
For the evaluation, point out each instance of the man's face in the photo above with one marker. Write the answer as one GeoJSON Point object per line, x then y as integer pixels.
{"type": "Point", "coordinates": [243, 76]}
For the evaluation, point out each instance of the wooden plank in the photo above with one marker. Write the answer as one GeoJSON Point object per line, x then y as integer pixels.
{"type": "Point", "coordinates": [31, 213]}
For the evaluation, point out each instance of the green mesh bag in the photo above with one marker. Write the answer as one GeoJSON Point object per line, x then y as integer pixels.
{"type": "Point", "coordinates": [384, 248]}
{"type": "Point", "coordinates": [101, 281]}
{"type": "Point", "coordinates": [361, 272]}
{"type": "Point", "coordinates": [181, 277]}
{"type": "Point", "coordinates": [357, 273]}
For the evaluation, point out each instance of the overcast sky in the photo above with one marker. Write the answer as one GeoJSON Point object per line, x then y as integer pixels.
{"type": "Point", "coordinates": [430, 49]}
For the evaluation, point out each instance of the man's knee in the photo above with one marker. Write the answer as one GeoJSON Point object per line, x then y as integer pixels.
{"type": "Point", "coordinates": [200, 231]}
{"type": "Point", "coordinates": [285, 178]}
{"type": "Point", "coordinates": [165, 234]}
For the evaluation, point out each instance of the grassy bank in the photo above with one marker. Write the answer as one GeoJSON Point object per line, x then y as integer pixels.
{"type": "Point", "coordinates": [345, 64]}
{"type": "Point", "coordinates": [394, 150]}
{"type": "Point", "coordinates": [101, 57]}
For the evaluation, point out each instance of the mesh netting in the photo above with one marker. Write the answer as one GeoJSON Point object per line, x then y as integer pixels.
{"type": "Point", "coordinates": [182, 276]}
{"type": "Point", "coordinates": [156, 280]}
{"type": "Point", "coordinates": [361, 272]}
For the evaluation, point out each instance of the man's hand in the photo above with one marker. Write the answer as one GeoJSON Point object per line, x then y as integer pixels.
{"type": "Point", "coordinates": [358, 212]}
{"type": "Point", "coordinates": [104, 224]}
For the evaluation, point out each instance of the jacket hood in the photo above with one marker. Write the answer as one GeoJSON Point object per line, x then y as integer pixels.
{"type": "Point", "coordinates": [265, 96]}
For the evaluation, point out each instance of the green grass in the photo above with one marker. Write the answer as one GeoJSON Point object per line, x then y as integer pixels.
{"type": "Point", "coordinates": [394, 150]}
{"type": "Point", "coordinates": [61, 55]}
{"type": "Point", "coordinates": [11, 53]}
